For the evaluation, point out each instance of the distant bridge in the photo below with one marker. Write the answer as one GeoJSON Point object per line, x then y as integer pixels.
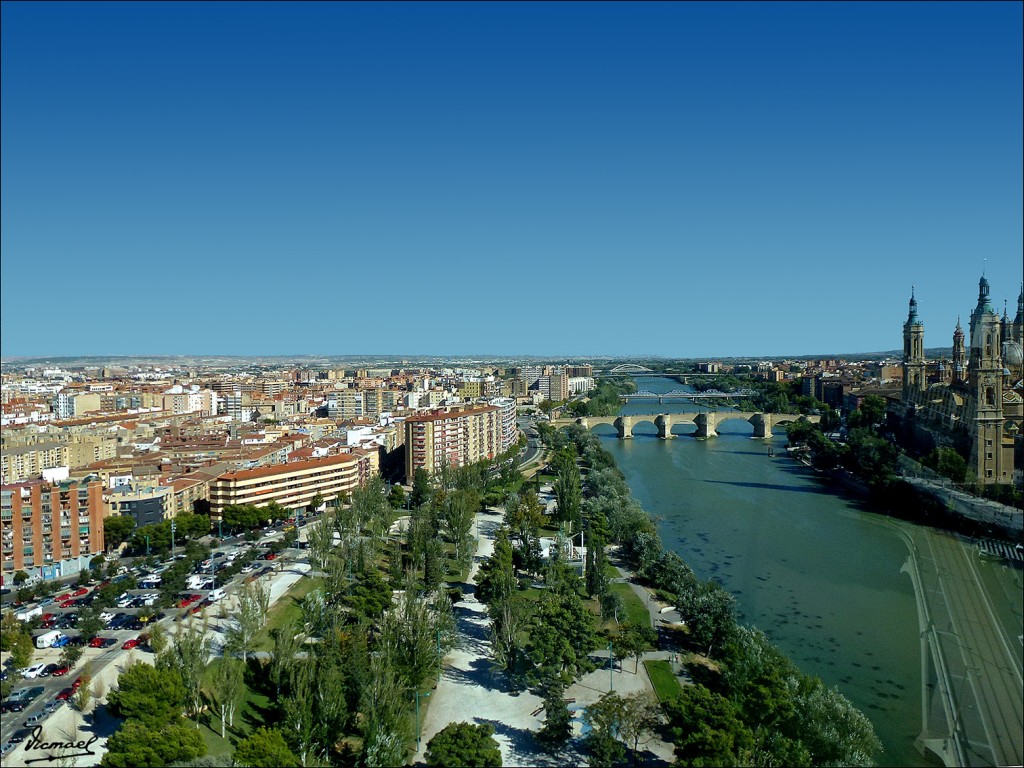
{"type": "Point", "coordinates": [630, 368]}
{"type": "Point", "coordinates": [676, 394]}
{"type": "Point", "coordinates": [706, 423]}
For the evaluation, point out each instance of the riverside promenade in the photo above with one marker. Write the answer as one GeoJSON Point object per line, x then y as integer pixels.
{"type": "Point", "coordinates": [471, 691]}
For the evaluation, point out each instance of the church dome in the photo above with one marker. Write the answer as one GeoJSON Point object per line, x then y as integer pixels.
{"type": "Point", "coordinates": [1012, 353]}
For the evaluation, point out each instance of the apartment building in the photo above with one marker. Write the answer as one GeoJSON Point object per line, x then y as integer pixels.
{"type": "Point", "coordinates": [49, 530]}
{"type": "Point", "coordinates": [71, 404]}
{"type": "Point", "coordinates": [145, 504]}
{"type": "Point", "coordinates": [507, 419]}
{"type": "Point", "coordinates": [29, 461]}
{"type": "Point", "coordinates": [458, 436]}
{"type": "Point", "coordinates": [291, 485]}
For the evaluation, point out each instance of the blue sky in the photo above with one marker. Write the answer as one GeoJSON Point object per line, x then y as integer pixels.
{"type": "Point", "coordinates": [555, 179]}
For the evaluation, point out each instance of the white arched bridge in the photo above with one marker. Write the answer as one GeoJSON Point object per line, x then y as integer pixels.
{"type": "Point", "coordinates": [706, 423]}
{"type": "Point", "coordinates": [678, 394]}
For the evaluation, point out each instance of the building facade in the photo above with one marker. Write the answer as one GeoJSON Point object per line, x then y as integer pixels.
{"type": "Point", "coordinates": [45, 528]}
{"type": "Point", "coordinates": [292, 485]}
{"type": "Point", "coordinates": [978, 399]}
{"type": "Point", "coordinates": [456, 436]}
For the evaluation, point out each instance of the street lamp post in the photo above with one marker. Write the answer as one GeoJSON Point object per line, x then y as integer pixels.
{"type": "Point", "coordinates": [438, 655]}
{"type": "Point", "coordinates": [611, 671]}
{"type": "Point", "coordinates": [417, 695]}
{"type": "Point", "coordinates": [147, 546]}
{"type": "Point", "coordinates": [173, 528]}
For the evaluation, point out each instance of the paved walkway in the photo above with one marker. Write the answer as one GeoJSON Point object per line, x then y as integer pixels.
{"type": "Point", "coordinates": [469, 691]}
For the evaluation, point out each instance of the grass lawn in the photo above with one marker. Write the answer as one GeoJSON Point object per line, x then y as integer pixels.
{"type": "Point", "coordinates": [633, 609]}
{"type": "Point", "coordinates": [250, 714]}
{"type": "Point", "coordinates": [666, 684]}
{"type": "Point", "coordinates": [286, 609]}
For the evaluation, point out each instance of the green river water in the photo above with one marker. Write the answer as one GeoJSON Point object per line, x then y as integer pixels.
{"type": "Point", "coordinates": [820, 576]}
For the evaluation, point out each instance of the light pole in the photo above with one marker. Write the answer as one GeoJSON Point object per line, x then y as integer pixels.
{"type": "Point", "coordinates": [611, 662]}
{"type": "Point", "coordinates": [438, 655]}
{"type": "Point", "coordinates": [173, 528]}
{"type": "Point", "coordinates": [417, 695]}
{"type": "Point", "coordinates": [147, 546]}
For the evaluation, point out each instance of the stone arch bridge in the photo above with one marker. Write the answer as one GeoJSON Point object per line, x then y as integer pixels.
{"type": "Point", "coordinates": [706, 422]}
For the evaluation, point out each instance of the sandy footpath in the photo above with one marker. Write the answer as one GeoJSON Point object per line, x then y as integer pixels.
{"type": "Point", "coordinates": [470, 691]}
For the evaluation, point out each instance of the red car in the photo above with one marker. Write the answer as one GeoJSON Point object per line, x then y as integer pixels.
{"type": "Point", "coordinates": [129, 644]}
{"type": "Point", "coordinates": [79, 592]}
{"type": "Point", "coordinates": [61, 671]}
{"type": "Point", "coordinates": [96, 642]}
{"type": "Point", "coordinates": [68, 604]}
{"type": "Point", "coordinates": [62, 597]}
{"type": "Point", "coordinates": [77, 684]}
{"type": "Point", "coordinates": [270, 556]}
{"type": "Point", "coordinates": [46, 616]}
{"type": "Point", "coordinates": [65, 694]}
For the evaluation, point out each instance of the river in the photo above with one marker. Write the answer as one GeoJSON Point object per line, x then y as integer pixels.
{"type": "Point", "coordinates": [817, 574]}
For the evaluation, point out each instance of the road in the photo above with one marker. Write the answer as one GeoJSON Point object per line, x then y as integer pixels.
{"type": "Point", "coordinates": [976, 656]}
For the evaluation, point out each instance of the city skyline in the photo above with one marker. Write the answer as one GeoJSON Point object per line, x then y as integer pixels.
{"type": "Point", "coordinates": [675, 180]}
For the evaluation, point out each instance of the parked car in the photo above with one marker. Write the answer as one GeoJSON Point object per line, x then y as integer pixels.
{"type": "Point", "coordinates": [65, 694]}
{"type": "Point", "coordinates": [130, 643]}
{"type": "Point", "coordinates": [33, 720]}
{"type": "Point", "coordinates": [107, 642]}
{"type": "Point", "coordinates": [79, 592]}
{"type": "Point", "coordinates": [62, 670]}
{"type": "Point", "coordinates": [19, 735]}
{"type": "Point", "coordinates": [30, 673]}
{"type": "Point", "coordinates": [76, 684]}
{"type": "Point", "coordinates": [49, 669]}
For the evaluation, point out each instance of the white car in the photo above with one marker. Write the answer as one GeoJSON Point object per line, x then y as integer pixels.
{"type": "Point", "coordinates": [30, 673]}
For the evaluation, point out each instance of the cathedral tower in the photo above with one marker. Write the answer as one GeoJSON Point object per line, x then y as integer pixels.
{"type": "Point", "coordinates": [959, 355]}
{"type": "Point", "coordinates": [985, 377]}
{"type": "Point", "coordinates": [914, 380]}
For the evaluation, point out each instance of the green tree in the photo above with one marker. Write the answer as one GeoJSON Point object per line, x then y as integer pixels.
{"type": "Point", "coordinates": [117, 529]}
{"type": "Point", "coordinates": [496, 579]}
{"type": "Point", "coordinates": [421, 490]}
{"type": "Point", "coordinates": [567, 487]}
{"type": "Point", "coordinates": [460, 745]}
{"type": "Point", "coordinates": [249, 618]}
{"type": "Point", "coordinates": [562, 634]}
{"type": "Point", "coordinates": [508, 622]}
{"type": "Point", "coordinates": [524, 518]}
{"type": "Point", "coordinates": [383, 708]}
{"type": "Point", "coordinates": [188, 654]}
{"type": "Point", "coordinates": [22, 651]}
{"type": "Point", "coordinates": [138, 745]}
{"type": "Point", "coordinates": [265, 748]}
{"type": "Point", "coordinates": [69, 655]}
{"type": "Point", "coordinates": [557, 726]}
{"type": "Point", "coordinates": [20, 577]}
{"type": "Point", "coordinates": [632, 641]}
{"type": "Point", "coordinates": [396, 497]}
{"type": "Point", "coordinates": [228, 688]}
{"type": "Point", "coordinates": [316, 502]}
{"type": "Point", "coordinates": [155, 697]}
{"type": "Point", "coordinates": [705, 728]}
{"type": "Point", "coordinates": [603, 717]}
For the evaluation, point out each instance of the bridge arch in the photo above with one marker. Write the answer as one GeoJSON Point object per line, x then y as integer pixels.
{"type": "Point", "coordinates": [630, 368]}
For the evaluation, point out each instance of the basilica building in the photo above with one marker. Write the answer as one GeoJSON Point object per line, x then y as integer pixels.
{"type": "Point", "coordinates": [975, 401]}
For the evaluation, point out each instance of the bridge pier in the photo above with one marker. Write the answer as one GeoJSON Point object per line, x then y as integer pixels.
{"type": "Point", "coordinates": [762, 426]}
{"type": "Point", "coordinates": [705, 425]}
{"type": "Point", "coordinates": [624, 426]}
{"type": "Point", "coordinates": [664, 425]}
